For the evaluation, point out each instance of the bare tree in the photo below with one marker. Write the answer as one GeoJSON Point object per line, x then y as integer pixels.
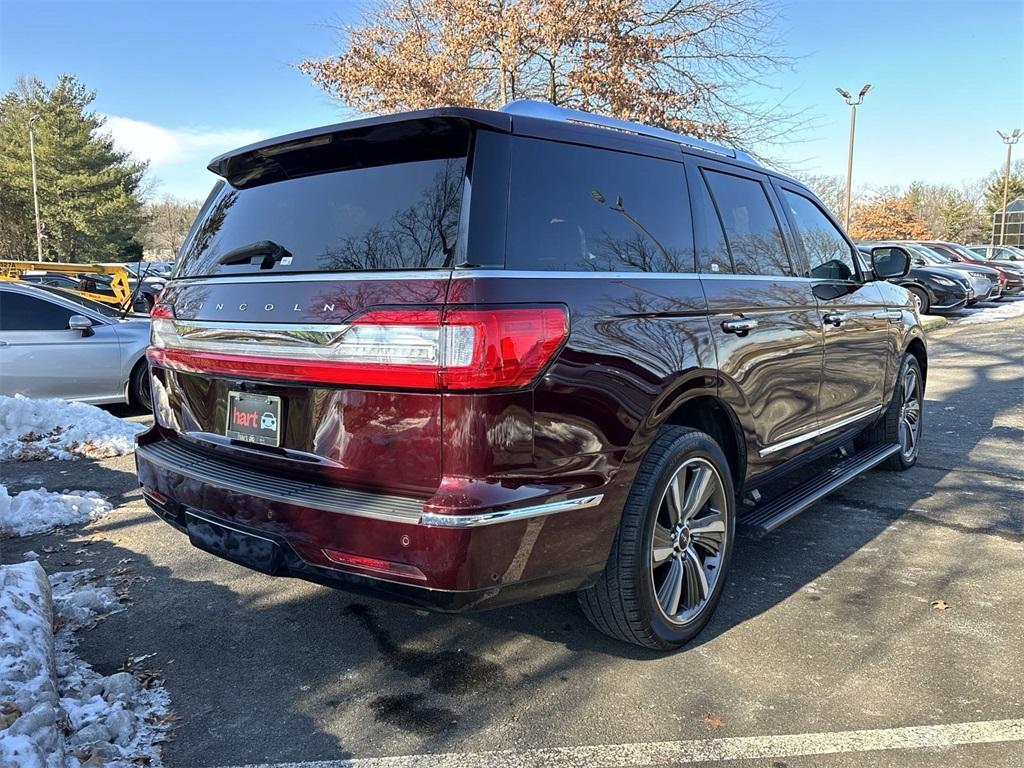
{"type": "Point", "coordinates": [681, 64]}
{"type": "Point", "coordinates": [830, 189]}
{"type": "Point", "coordinates": [169, 220]}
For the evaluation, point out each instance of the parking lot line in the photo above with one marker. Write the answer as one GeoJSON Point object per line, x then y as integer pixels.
{"type": "Point", "coordinates": [699, 751]}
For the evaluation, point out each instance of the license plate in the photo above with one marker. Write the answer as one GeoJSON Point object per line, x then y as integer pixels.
{"type": "Point", "coordinates": [254, 418]}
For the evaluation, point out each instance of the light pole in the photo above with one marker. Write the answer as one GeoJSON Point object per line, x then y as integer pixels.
{"type": "Point", "coordinates": [854, 103]}
{"type": "Point", "coordinates": [35, 185]}
{"type": "Point", "coordinates": [1009, 141]}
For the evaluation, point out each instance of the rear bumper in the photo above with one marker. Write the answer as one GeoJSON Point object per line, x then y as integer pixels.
{"type": "Point", "coordinates": [389, 546]}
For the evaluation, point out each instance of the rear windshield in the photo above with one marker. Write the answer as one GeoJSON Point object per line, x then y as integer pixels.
{"type": "Point", "coordinates": [403, 216]}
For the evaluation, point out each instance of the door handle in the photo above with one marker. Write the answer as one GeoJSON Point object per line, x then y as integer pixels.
{"type": "Point", "coordinates": [741, 326]}
{"type": "Point", "coordinates": [3, 343]}
{"type": "Point", "coordinates": [834, 318]}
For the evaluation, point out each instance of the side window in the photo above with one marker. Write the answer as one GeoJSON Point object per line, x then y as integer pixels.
{"type": "Point", "coordinates": [827, 251]}
{"type": "Point", "coordinates": [582, 209]}
{"type": "Point", "coordinates": [19, 312]}
{"type": "Point", "coordinates": [712, 252]}
{"type": "Point", "coordinates": [755, 240]}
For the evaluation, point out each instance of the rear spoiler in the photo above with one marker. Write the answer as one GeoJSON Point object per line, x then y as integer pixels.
{"type": "Point", "coordinates": [356, 144]}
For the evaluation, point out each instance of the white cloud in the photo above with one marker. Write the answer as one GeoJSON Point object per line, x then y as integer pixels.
{"type": "Point", "coordinates": [164, 147]}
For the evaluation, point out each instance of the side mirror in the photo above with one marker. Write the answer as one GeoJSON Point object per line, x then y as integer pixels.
{"type": "Point", "coordinates": [889, 262]}
{"type": "Point", "coordinates": [80, 323]}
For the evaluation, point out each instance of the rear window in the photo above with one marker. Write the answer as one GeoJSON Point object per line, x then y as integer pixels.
{"type": "Point", "coordinates": [403, 216]}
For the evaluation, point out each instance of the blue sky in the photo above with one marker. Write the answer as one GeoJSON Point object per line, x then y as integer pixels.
{"type": "Point", "coordinates": [183, 81]}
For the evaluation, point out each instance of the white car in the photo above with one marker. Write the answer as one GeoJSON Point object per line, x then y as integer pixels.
{"type": "Point", "coordinates": [57, 344]}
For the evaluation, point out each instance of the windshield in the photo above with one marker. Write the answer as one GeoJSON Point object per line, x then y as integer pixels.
{"type": "Point", "coordinates": [967, 253]}
{"type": "Point", "coordinates": [928, 254]}
{"type": "Point", "coordinates": [401, 216]}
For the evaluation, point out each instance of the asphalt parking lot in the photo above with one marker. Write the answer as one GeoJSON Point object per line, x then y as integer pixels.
{"type": "Point", "coordinates": [827, 632]}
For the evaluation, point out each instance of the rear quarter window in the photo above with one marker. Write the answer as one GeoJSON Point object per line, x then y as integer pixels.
{"type": "Point", "coordinates": [582, 209]}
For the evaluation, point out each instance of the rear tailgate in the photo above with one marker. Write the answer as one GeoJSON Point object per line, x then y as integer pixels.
{"type": "Point", "coordinates": [364, 437]}
{"type": "Point", "coordinates": [290, 336]}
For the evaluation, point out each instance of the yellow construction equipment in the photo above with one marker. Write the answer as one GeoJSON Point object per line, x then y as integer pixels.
{"type": "Point", "coordinates": [117, 291]}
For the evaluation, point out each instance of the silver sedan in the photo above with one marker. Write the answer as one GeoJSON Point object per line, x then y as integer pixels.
{"type": "Point", "coordinates": [56, 344]}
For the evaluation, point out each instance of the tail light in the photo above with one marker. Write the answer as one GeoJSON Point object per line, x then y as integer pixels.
{"type": "Point", "coordinates": [163, 311]}
{"type": "Point", "coordinates": [451, 349]}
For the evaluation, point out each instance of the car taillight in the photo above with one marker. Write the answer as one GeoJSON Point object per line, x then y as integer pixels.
{"type": "Point", "coordinates": [453, 349]}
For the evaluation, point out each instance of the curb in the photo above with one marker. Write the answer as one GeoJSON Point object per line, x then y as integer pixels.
{"type": "Point", "coordinates": [933, 322]}
{"type": "Point", "coordinates": [28, 678]}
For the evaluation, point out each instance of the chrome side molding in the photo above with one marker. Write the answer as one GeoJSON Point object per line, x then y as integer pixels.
{"type": "Point", "coordinates": [844, 422]}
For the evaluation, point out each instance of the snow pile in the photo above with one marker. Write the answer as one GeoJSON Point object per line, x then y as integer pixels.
{"type": "Point", "coordinates": [29, 705]}
{"type": "Point", "coordinates": [40, 510]}
{"type": "Point", "coordinates": [1005, 310]}
{"type": "Point", "coordinates": [115, 720]}
{"type": "Point", "coordinates": [33, 430]}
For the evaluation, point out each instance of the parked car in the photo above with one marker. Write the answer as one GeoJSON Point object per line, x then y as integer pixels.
{"type": "Point", "coordinates": [54, 343]}
{"type": "Point", "coordinates": [986, 281]}
{"type": "Point", "coordinates": [933, 288]}
{"type": "Point", "coordinates": [1010, 276]}
{"type": "Point", "coordinates": [1000, 253]}
{"type": "Point", "coordinates": [539, 386]}
{"type": "Point", "coordinates": [98, 284]}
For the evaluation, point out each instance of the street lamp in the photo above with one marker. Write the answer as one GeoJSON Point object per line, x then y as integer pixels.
{"type": "Point", "coordinates": [854, 103]}
{"type": "Point", "coordinates": [35, 185]}
{"type": "Point", "coordinates": [1009, 141]}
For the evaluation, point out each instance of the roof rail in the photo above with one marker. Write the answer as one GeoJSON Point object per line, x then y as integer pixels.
{"type": "Point", "coordinates": [545, 111]}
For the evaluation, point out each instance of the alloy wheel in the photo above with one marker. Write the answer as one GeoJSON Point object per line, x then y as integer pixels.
{"type": "Point", "coordinates": [910, 414]}
{"type": "Point", "coordinates": [689, 538]}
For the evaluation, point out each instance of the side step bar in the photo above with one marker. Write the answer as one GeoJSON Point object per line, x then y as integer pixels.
{"type": "Point", "coordinates": [774, 513]}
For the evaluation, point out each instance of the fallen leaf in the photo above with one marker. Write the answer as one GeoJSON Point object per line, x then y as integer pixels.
{"type": "Point", "coordinates": [940, 605]}
{"type": "Point", "coordinates": [713, 721]}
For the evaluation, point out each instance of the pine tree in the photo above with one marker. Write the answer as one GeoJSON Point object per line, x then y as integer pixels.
{"type": "Point", "coordinates": [90, 198]}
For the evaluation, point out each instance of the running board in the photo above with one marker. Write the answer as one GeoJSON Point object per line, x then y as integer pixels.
{"type": "Point", "coordinates": [766, 518]}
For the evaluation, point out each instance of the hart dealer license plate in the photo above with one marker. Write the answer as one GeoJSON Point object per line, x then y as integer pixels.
{"type": "Point", "coordinates": [254, 418]}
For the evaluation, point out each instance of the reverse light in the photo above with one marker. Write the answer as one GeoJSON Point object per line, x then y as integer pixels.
{"type": "Point", "coordinates": [460, 348]}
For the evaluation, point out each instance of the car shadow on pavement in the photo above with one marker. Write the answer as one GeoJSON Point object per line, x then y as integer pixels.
{"type": "Point", "coordinates": [270, 670]}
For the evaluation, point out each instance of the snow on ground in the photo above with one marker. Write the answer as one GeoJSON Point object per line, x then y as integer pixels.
{"type": "Point", "coordinates": [1004, 310]}
{"type": "Point", "coordinates": [40, 510]}
{"type": "Point", "coordinates": [115, 720]}
{"type": "Point", "coordinates": [32, 430]}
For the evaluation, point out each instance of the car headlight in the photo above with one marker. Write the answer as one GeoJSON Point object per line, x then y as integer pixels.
{"type": "Point", "coordinates": [944, 281]}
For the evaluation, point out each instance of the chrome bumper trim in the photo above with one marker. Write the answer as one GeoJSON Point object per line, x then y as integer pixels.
{"type": "Point", "coordinates": [394, 509]}
{"type": "Point", "coordinates": [509, 515]}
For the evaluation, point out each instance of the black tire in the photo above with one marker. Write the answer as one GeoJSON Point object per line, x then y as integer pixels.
{"type": "Point", "coordinates": [623, 603]}
{"type": "Point", "coordinates": [139, 386]}
{"type": "Point", "coordinates": [887, 429]}
{"type": "Point", "coordinates": [922, 297]}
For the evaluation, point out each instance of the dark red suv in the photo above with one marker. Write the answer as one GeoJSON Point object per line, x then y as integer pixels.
{"type": "Point", "coordinates": [461, 358]}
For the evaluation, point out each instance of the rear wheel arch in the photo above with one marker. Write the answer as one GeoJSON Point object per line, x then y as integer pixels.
{"type": "Point", "coordinates": [714, 417]}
